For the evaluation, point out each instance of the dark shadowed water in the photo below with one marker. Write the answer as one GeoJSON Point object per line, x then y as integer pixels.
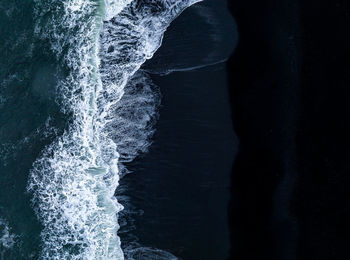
{"type": "Point", "coordinates": [179, 190]}
{"type": "Point", "coordinates": [182, 183]}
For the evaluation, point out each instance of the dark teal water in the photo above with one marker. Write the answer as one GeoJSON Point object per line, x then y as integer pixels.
{"type": "Point", "coordinates": [27, 85]}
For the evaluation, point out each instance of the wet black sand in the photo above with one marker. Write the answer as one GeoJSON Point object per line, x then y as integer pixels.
{"type": "Point", "coordinates": [289, 83]}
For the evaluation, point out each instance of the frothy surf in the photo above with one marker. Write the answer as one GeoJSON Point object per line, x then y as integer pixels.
{"type": "Point", "coordinates": [100, 45]}
{"type": "Point", "coordinates": [7, 238]}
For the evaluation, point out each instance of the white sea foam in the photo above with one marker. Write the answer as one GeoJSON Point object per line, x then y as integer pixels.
{"type": "Point", "coordinates": [134, 118]}
{"type": "Point", "coordinates": [74, 180]}
{"type": "Point", "coordinates": [7, 239]}
{"type": "Point", "coordinates": [114, 7]}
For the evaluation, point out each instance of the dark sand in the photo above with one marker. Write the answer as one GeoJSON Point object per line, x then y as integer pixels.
{"type": "Point", "coordinates": [289, 83]}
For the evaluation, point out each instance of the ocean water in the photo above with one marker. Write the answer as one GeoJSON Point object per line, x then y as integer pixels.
{"type": "Point", "coordinates": [75, 109]}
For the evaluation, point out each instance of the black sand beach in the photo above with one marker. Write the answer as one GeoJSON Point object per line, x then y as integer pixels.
{"type": "Point", "coordinates": [289, 79]}
{"type": "Point", "coordinates": [250, 155]}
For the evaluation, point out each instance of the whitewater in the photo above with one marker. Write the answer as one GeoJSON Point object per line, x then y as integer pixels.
{"type": "Point", "coordinates": [100, 46]}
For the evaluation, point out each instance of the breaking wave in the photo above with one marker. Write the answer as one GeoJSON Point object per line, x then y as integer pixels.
{"type": "Point", "coordinates": [100, 46]}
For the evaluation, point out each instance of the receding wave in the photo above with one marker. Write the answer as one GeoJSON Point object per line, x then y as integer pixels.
{"type": "Point", "coordinates": [99, 45]}
{"type": "Point", "coordinates": [134, 118]}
